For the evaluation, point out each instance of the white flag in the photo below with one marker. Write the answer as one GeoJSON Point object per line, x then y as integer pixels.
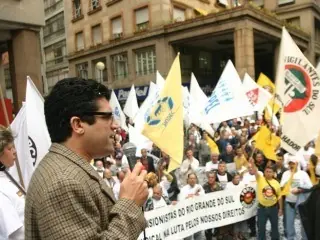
{"type": "Point", "coordinates": [298, 88]}
{"type": "Point", "coordinates": [257, 95]}
{"type": "Point", "coordinates": [198, 100]}
{"type": "Point", "coordinates": [131, 107]}
{"type": "Point", "coordinates": [21, 142]}
{"type": "Point", "coordinates": [39, 139]}
{"type": "Point", "coordinates": [228, 99]}
{"type": "Point", "coordinates": [196, 92]}
{"type": "Point", "coordinates": [139, 140]}
{"type": "Point", "coordinates": [118, 114]}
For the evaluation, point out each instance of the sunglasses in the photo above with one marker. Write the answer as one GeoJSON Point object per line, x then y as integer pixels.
{"type": "Point", "coordinates": [106, 115]}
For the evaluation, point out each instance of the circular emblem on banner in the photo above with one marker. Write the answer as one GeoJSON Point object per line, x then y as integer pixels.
{"type": "Point", "coordinates": [297, 88]}
{"type": "Point", "coordinates": [248, 197]}
{"type": "Point", "coordinates": [33, 151]}
{"type": "Point", "coordinates": [163, 107]}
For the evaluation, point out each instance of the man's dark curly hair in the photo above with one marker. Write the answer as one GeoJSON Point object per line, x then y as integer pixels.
{"type": "Point", "coordinates": [71, 97]}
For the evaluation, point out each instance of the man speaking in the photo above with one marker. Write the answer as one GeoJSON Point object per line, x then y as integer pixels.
{"type": "Point", "coordinates": [66, 198]}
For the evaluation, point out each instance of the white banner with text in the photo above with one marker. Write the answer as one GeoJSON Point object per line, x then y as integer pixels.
{"type": "Point", "coordinates": [200, 213]}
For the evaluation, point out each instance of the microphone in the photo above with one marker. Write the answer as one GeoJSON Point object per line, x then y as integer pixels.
{"type": "Point", "coordinates": [129, 149]}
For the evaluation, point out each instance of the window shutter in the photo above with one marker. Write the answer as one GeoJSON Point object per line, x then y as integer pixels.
{"type": "Point", "coordinates": [142, 15]}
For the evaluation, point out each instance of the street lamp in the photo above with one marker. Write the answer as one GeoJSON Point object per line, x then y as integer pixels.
{"type": "Point", "coordinates": [100, 66]}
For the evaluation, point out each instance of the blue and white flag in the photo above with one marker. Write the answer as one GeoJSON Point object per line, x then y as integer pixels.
{"type": "Point", "coordinates": [228, 99]}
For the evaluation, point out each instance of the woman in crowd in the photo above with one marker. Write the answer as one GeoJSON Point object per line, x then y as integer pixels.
{"type": "Point", "coordinates": [12, 198]}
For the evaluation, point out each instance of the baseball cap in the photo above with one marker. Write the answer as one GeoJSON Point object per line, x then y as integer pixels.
{"type": "Point", "coordinates": [292, 159]}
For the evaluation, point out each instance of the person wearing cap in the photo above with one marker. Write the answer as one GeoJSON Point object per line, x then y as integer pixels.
{"type": "Point", "coordinates": [269, 207]}
{"type": "Point", "coordinates": [296, 180]}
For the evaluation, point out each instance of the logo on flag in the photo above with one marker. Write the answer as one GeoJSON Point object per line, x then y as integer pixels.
{"type": "Point", "coordinates": [162, 112]}
{"type": "Point", "coordinates": [33, 151]}
{"type": "Point", "coordinates": [253, 96]}
{"type": "Point", "coordinates": [297, 88]}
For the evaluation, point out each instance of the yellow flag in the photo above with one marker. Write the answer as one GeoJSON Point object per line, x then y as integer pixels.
{"type": "Point", "coordinates": [267, 142]}
{"type": "Point", "coordinates": [266, 83]}
{"type": "Point", "coordinates": [164, 125]}
{"type": "Point", "coordinates": [286, 188]}
{"type": "Point", "coordinates": [212, 145]}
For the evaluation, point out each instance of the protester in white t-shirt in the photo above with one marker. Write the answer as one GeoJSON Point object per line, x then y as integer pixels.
{"type": "Point", "coordinates": [299, 181]}
{"type": "Point", "coordinates": [192, 189]}
{"type": "Point", "coordinates": [213, 164]}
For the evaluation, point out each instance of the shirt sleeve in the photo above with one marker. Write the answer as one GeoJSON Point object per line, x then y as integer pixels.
{"type": "Point", "coordinates": [68, 211]}
{"type": "Point", "coordinates": [10, 222]}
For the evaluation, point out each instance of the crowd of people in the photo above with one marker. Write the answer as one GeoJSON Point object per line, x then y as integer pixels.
{"type": "Point", "coordinates": [68, 198]}
{"type": "Point", "coordinates": [235, 161]}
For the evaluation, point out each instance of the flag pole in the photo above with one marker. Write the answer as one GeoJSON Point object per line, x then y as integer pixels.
{"type": "Point", "coordinates": [5, 113]}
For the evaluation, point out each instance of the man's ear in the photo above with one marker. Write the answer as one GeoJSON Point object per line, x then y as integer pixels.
{"type": "Point", "coordinates": [77, 125]}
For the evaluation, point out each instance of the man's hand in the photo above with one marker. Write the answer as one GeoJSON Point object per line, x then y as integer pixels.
{"type": "Point", "coordinates": [280, 212]}
{"type": "Point", "coordinates": [134, 187]}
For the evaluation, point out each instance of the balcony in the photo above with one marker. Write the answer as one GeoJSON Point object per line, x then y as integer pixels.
{"type": "Point", "coordinates": [60, 32]}
{"type": "Point", "coordinates": [58, 61]}
{"type": "Point", "coordinates": [54, 7]}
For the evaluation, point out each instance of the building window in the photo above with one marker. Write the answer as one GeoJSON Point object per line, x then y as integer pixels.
{"type": "Point", "coordinates": [55, 54]}
{"type": "Point", "coordinates": [96, 34]}
{"type": "Point", "coordinates": [82, 70]}
{"type": "Point", "coordinates": [294, 21]}
{"type": "Point", "coordinates": [205, 62]}
{"type": "Point", "coordinates": [98, 75]}
{"type": "Point", "coordinates": [120, 66]}
{"type": "Point", "coordinates": [145, 61]}
{"type": "Point", "coordinates": [79, 41]}
{"type": "Point", "coordinates": [7, 78]}
{"type": "Point", "coordinates": [284, 2]}
{"type": "Point", "coordinates": [94, 4]}
{"type": "Point", "coordinates": [142, 19]}
{"type": "Point", "coordinates": [54, 27]}
{"type": "Point", "coordinates": [77, 9]}
{"type": "Point", "coordinates": [117, 27]}
{"type": "Point", "coordinates": [178, 14]}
